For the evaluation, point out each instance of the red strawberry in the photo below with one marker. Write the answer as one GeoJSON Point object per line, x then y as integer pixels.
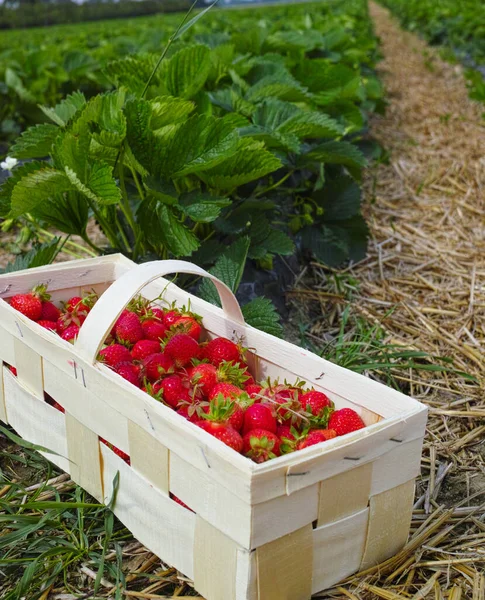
{"type": "Point", "coordinates": [190, 411]}
{"type": "Point", "coordinates": [128, 371]}
{"type": "Point", "coordinates": [287, 397]}
{"type": "Point", "coordinates": [51, 325]}
{"type": "Point", "coordinates": [144, 348]}
{"type": "Point", "coordinates": [153, 329]}
{"type": "Point", "coordinates": [315, 436]}
{"type": "Point", "coordinates": [253, 390]}
{"type": "Point", "coordinates": [114, 354]}
{"type": "Point", "coordinates": [173, 390]}
{"type": "Point", "coordinates": [156, 313]}
{"type": "Point", "coordinates": [128, 329]}
{"type": "Point", "coordinates": [188, 325]}
{"type": "Point", "coordinates": [70, 318]}
{"type": "Point", "coordinates": [171, 317]}
{"type": "Point", "coordinates": [259, 416]}
{"type": "Point", "coordinates": [178, 501]}
{"type": "Point", "coordinates": [157, 365]}
{"type": "Point", "coordinates": [13, 370]}
{"type": "Point", "coordinates": [204, 377]}
{"type": "Point", "coordinates": [182, 349]}
{"type": "Point", "coordinates": [220, 349]}
{"type": "Point", "coordinates": [229, 409]}
{"type": "Point", "coordinates": [223, 432]}
{"type": "Point", "coordinates": [27, 304]}
{"type": "Point", "coordinates": [235, 373]}
{"type": "Point", "coordinates": [50, 312]}
{"type": "Point", "coordinates": [315, 402]}
{"type": "Point", "coordinates": [260, 445]}
{"type": "Point", "coordinates": [227, 390]}
{"type": "Point", "coordinates": [345, 421]}
{"type": "Point", "coordinates": [78, 304]}
{"type": "Point", "coordinates": [71, 333]}
{"type": "Point", "coordinates": [58, 407]}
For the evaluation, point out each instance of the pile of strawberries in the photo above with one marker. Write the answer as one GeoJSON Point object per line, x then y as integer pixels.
{"type": "Point", "coordinates": [207, 382]}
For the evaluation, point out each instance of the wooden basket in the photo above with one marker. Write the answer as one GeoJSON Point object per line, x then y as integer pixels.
{"type": "Point", "coordinates": [281, 530]}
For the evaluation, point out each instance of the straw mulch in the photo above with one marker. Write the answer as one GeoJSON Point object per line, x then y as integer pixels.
{"type": "Point", "coordinates": [424, 281]}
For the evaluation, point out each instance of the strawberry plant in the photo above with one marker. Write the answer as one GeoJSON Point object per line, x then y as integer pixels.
{"type": "Point", "coordinates": [241, 144]}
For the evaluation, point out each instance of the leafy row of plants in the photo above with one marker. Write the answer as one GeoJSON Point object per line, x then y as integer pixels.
{"type": "Point", "coordinates": [458, 25]}
{"type": "Point", "coordinates": [243, 143]}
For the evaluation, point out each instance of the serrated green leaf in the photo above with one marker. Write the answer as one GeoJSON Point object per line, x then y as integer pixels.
{"type": "Point", "coordinates": [185, 73]}
{"type": "Point", "coordinates": [66, 109]}
{"type": "Point", "coordinates": [37, 187]}
{"type": "Point", "coordinates": [131, 72]}
{"type": "Point", "coordinates": [337, 153]}
{"type": "Point", "coordinates": [66, 212]}
{"type": "Point", "coordinates": [35, 142]}
{"type": "Point", "coordinates": [231, 100]}
{"type": "Point", "coordinates": [37, 257]}
{"type": "Point", "coordinates": [179, 240]}
{"type": "Point", "coordinates": [281, 85]}
{"type": "Point", "coordinates": [203, 208]}
{"type": "Point", "coordinates": [8, 185]}
{"type": "Point", "coordinates": [326, 244]}
{"type": "Point", "coordinates": [103, 185]}
{"type": "Point", "coordinates": [229, 268]}
{"type": "Point", "coordinates": [249, 163]}
{"type": "Point", "coordinates": [261, 313]}
{"type": "Point", "coordinates": [163, 190]}
{"type": "Point", "coordinates": [167, 110]}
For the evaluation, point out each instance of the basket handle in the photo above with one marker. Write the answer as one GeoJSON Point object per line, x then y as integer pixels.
{"type": "Point", "coordinates": [112, 302]}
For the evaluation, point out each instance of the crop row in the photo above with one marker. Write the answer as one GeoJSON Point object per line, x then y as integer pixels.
{"type": "Point", "coordinates": [244, 144]}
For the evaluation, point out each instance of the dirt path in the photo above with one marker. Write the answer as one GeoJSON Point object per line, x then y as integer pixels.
{"type": "Point", "coordinates": [424, 280]}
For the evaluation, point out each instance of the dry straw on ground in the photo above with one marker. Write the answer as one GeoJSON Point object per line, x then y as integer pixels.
{"type": "Point", "coordinates": [424, 280]}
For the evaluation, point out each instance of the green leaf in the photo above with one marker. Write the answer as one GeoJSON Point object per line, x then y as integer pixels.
{"type": "Point", "coordinates": [265, 239]}
{"type": "Point", "coordinates": [179, 240]}
{"type": "Point", "coordinates": [102, 184]}
{"type": "Point", "coordinates": [37, 257]}
{"type": "Point", "coordinates": [325, 244]}
{"type": "Point", "coordinates": [131, 72]}
{"type": "Point", "coordinates": [339, 198]}
{"type": "Point", "coordinates": [162, 189]}
{"type": "Point", "coordinates": [199, 144]}
{"type": "Point", "coordinates": [37, 187]}
{"type": "Point", "coordinates": [167, 110]}
{"type": "Point", "coordinates": [280, 85]}
{"type": "Point", "coordinates": [66, 109]}
{"type": "Point", "coordinates": [185, 73]}
{"type": "Point", "coordinates": [337, 153]}
{"type": "Point", "coordinates": [13, 81]}
{"type": "Point", "coordinates": [231, 100]}
{"type": "Point", "coordinates": [35, 142]}
{"type": "Point", "coordinates": [262, 314]}
{"type": "Point", "coordinates": [229, 268]}
{"type": "Point", "coordinates": [203, 208]}
{"type": "Point", "coordinates": [8, 185]}
{"type": "Point", "coordinates": [249, 163]}
{"type": "Point", "coordinates": [67, 212]}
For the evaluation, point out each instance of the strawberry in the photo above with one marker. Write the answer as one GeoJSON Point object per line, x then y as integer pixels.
{"type": "Point", "coordinates": [204, 377]}
{"type": "Point", "coordinates": [78, 304]}
{"type": "Point", "coordinates": [153, 329]}
{"type": "Point", "coordinates": [171, 317]}
{"type": "Point", "coordinates": [315, 402]}
{"type": "Point", "coordinates": [289, 437]}
{"type": "Point", "coordinates": [190, 411]}
{"type": "Point", "coordinates": [128, 371]}
{"type": "Point", "coordinates": [222, 349]}
{"type": "Point", "coordinates": [71, 333]}
{"type": "Point", "coordinates": [315, 436]}
{"type": "Point", "coordinates": [178, 501]}
{"type": "Point", "coordinates": [51, 325]}
{"type": "Point", "coordinates": [182, 349]}
{"type": "Point", "coordinates": [229, 410]}
{"type": "Point", "coordinates": [259, 416]}
{"type": "Point", "coordinates": [13, 370]}
{"type": "Point", "coordinates": [50, 312]}
{"type": "Point", "coordinates": [114, 354]}
{"type": "Point", "coordinates": [260, 445]}
{"type": "Point", "coordinates": [70, 318]}
{"type": "Point", "coordinates": [128, 329]}
{"type": "Point", "coordinates": [58, 407]}
{"type": "Point", "coordinates": [227, 390]}
{"type": "Point", "coordinates": [287, 397]}
{"type": "Point", "coordinates": [156, 366]}
{"type": "Point", "coordinates": [27, 304]}
{"type": "Point", "coordinates": [345, 421]}
{"type": "Point", "coordinates": [144, 348]}
{"type": "Point", "coordinates": [253, 390]}
{"type": "Point", "coordinates": [235, 373]}
{"type": "Point", "coordinates": [173, 391]}
{"type": "Point", "coordinates": [156, 313]}
{"type": "Point", "coordinates": [223, 432]}
{"type": "Point", "coordinates": [188, 325]}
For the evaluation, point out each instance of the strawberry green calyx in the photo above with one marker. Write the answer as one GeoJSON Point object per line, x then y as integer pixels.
{"type": "Point", "coordinates": [319, 421]}
{"type": "Point", "coordinates": [229, 372]}
{"type": "Point", "coordinates": [40, 292]}
{"type": "Point", "coordinates": [220, 409]}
